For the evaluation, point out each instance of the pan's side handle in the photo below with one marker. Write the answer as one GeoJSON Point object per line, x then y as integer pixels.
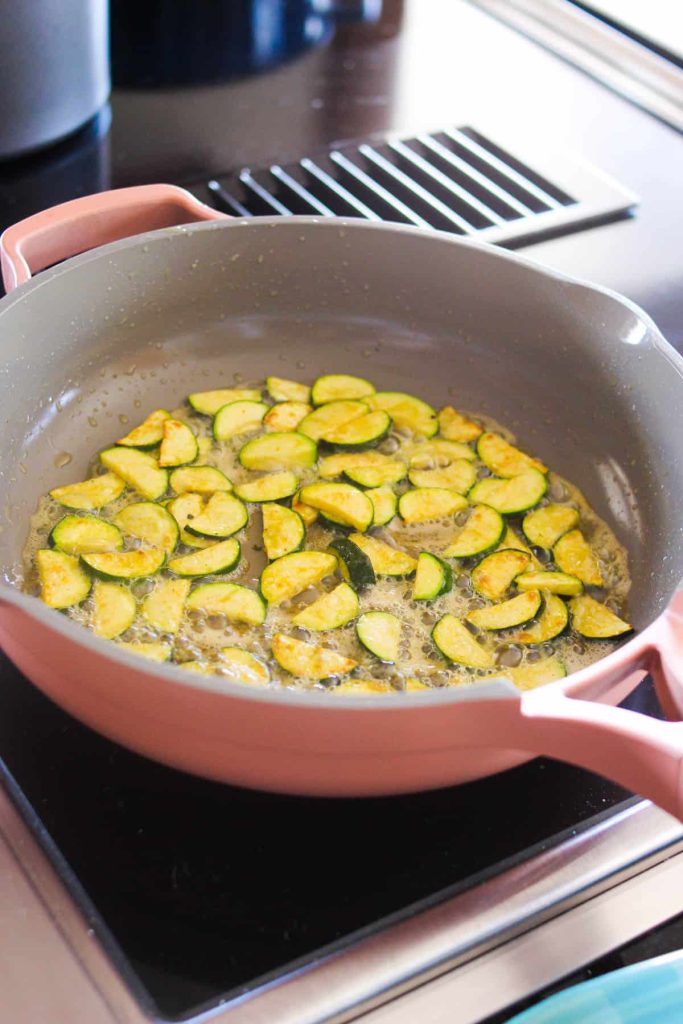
{"type": "Point", "coordinates": [81, 224]}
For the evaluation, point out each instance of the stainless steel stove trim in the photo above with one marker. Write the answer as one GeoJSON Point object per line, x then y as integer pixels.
{"type": "Point", "coordinates": [612, 58]}
{"type": "Point", "coordinates": [449, 941]}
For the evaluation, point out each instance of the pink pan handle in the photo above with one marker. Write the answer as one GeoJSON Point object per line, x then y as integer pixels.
{"type": "Point", "coordinates": [81, 224]}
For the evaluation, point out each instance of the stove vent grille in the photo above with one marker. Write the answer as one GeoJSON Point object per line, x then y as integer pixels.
{"type": "Point", "coordinates": [456, 180]}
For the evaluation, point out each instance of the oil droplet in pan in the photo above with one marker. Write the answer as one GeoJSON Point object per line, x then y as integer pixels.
{"type": "Point", "coordinates": [62, 459]}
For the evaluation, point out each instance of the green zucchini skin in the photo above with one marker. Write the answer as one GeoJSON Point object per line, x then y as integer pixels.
{"type": "Point", "coordinates": [433, 577]}
{"type": "Point", "coordinates": [355, 566]}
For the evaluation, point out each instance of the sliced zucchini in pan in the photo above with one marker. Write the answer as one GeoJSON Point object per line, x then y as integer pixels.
{"type": "Point", "coordinates": [283, 530]}
{"type": "Point", "coordinates": [114, 609]}
{"type": "Point", "coordinates": [282, 390]}
{"type": "Point", "coordinates": [183, 509]}
{"type": "Point", "coordinates": [202, 668]}
{"type": "Point", "coordinates": [593, 620]}
{"type": "Point", "coordinates": [360, 433]}
{"type": "Point", "coordinates": [238, 418]}
{"type": "Point", "coordinates": [279, 451]}
{"type": "Point", "coordinates": [554, 582]}
{"type": "Point", "coordinates": [545, 526]}
{"type": "Point", "coordinates": [63, 582]}
{"type": "Point", "coordinates": [309, 662]}
{"type": "Point", "coordinates": [510, 540]}
{"type": "Point", "coordinates": [268, 488]}
{"type": "Point", "coordinates": [237, 603]}
{"type": "Point", "coordinates": [436, 453]}
{"type": "Point", "coordinates": [336, 465]}
{"type": "Point", "coordinates": [493, 575]}
{"type": "Point", "coordinates": [503, 458]}
{"type": "Point", "coordinates": [384, 504]}
{"type": "Point", "coordinates": [149, 433]}
{"type": "Point", "coordinates": [407, 412]}
{"type": "Point", "coordinates": [426, 503]}
{"type": "Point", "coordinates": [139, 469]}
{"type": "Point", "coordinates": [433, 577]}
{"type": "Point", "coordinates": [454, 640]}
{"type": "Point", "coordinates": [90, 494]}
{"type": "Point", "coordinates": [218, 558]}
{"type": "Point", "coordinates": [286, 416]}
{"type": "Point", "coordinates": [337, 386]}
{"type": "Point", "coordinates": [550, 623]}
{"type": "Point", "coordinates": [125, 565]}
{"type": "Point", "coordinates": [457, 476]}
{"type": "Point", "coordinates": [289, 575]}
{"type": "Point", "coordinates": [509, 497]}
{"type": "Point", "coordinates": [223, 515]}
{"type": "Point", "coordinates": [209, 402]}
{"type": "Point", "coordinates": [481, 532]}
{"type": "Point", "coordinates": [179, 444]}
{"type": "Point", "coordinates": [329, 417]}
{"type": "Point", "coordinates": [361, 688]}
{"type": "Point", "coordinates": [385, 560]}
{"type": "Point", "coordinates": [330, 611]}
{"type": "Point", "coordinates": [376, 476]}
{"type": "Point", "coordinates": [456, 427]}
{"type": "Point", "coordinates": [308, 514]}
{"type": "Point", "coordinates": [380, 633]}
{"type": "Point", "coordinates": [573, 555]}
{"type": "Point", "coordinates": [199, 480]}
{"type": "Point", "coordinates": [150, 523]}
{"type": "Point", "coordinates": [528, 677]}
{"type": "Point", "coordinates": [514, 612]}
{"type": "Point", "coordinates": [163, 608]}
{"type": "Point", "coordinates": [155, 651]}
{"type": "Point", "coordinates": [354, 564]}
{"type": "Point", "coordinates": [243, 667]}
{"type": "Point", "coordinates": [340, 503]}
{"type": "Point", "coordinates": [76, 535]}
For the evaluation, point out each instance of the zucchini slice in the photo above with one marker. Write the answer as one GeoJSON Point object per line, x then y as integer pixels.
{"type": "Point", "coordinates": [223, 515]}
{"type": "Point", "coordinates": [163, 608]}
{"type": "Point", "coordinates": [243, 667]}
{"type": "Point", "coordinates": [155, 651]}
{"type": "Point", "coordinates": [330, 611]}
{"type": "Point", "coordinates": [336, 465]}
{"type": "Point", "coordinates": [125, 565]}
{"type": "Point", "coordinates": [203, 668]}
{"type": "Point", "coordinates": [268, 488]}
{"type": "Point", "coordinates": [179, 444]}
{"type": "Point", "coordinates": [376, 476]}
{"type": "Point", "coordinates": [283, 530]}
{"type": "Point", "coordinates": [237, 603]}
{"type": "Point", "coordinates": [282, 390]}
{"type": "Point", "coordinates": [456, 427]}
{"type": "Point", "coordinates": [308, 514]}
{"type": "Point", "coordinates": [593, 620]}
{"type": "Point", "coordinates": [553, 582]}
{"type": "Point", "coordinates": [511, 541]}
{"type": "Point", "coordinates": [218, 558]}
{"type": "Point", "coordinates": [140, 470]}
{"type": "Point", "coordinates": [360, 433]}
{"type": "Point", "coordinates": [550, 623]}
{"type": "Point", "coordinates": [457, 476]}
{"type": "Point", "coordinates": [528, 677]}
{"type": "Point", "coordinates": [238, 418]}
{"type": "Point", "coordinates": [63, 582]}
{"type": "Point", "coordinates": [340, 503]}
{"type": "Point", "coordinates": [209, 402]}
{"type": "Point", "coordinates": [199, 480]}
{"type": "Point", "coordinates": [514, 612]}
{"type": "Point", "coordinates": [289, 575]}
{"type": "Point", "coordinates": [384, 504]}
{"type": "Point", "coordinates": [433, 577]}
{"type": "Point", "coordinates": [545, 526]}
{"type": "Point", "coordinates": [309, 662]}
{"type": "Point", "coordinates": [407, 412]}
{"type": "Point", "coordinates": [149, 433]}
{"type": "Point", "coordinates": [77, 535]}
{"type": "Point", "coordinates": [503, 458]}
{"type": "Point", "coordinates": [573, 555]}
{"type": "Point", "coordinates": [328, 417]}
{"type": "Point", "coordinates": [354, 564]}
{"type": "Point", "coordinates": [286, 416]}
{"type": "Point", "coordinates": [380, 633]}
{"type": "Point", "coordinates": [481, 532]}
{"type": "Point", "coordinates": [385, 560]}
{"type": "Point", "coordinates": [436, 453]}
{"type": "Point", "coordinates": [183, 509]}
{"type": "Point", "coordinates": [426, 503]}
{"type": "Point", "coordinates": [279, 451]}
{"type": "Point", "coordinates": [493, 575]}
{"type": "Point", "coordinates": [90, 494]}
{"type": "Point", "coordinates": [454, 640]}
{"type": "Point", "coordinates": [114, 609]}
{"type": "Point", "coordinates": [361, 688]}
{"type": "Point", "coordinates": [150, 523]}
{"type": "Point", "coordinates": [337, 386]}
{"type": "Point", "coordinates": [517, 494]}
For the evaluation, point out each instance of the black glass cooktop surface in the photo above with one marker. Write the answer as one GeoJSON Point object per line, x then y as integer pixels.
{"type": "Point", "coordinates": [202, 890]}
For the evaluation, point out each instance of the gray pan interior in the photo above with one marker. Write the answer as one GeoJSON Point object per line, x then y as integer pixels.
{"type": "Point", "coordinates": [582, 377]}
